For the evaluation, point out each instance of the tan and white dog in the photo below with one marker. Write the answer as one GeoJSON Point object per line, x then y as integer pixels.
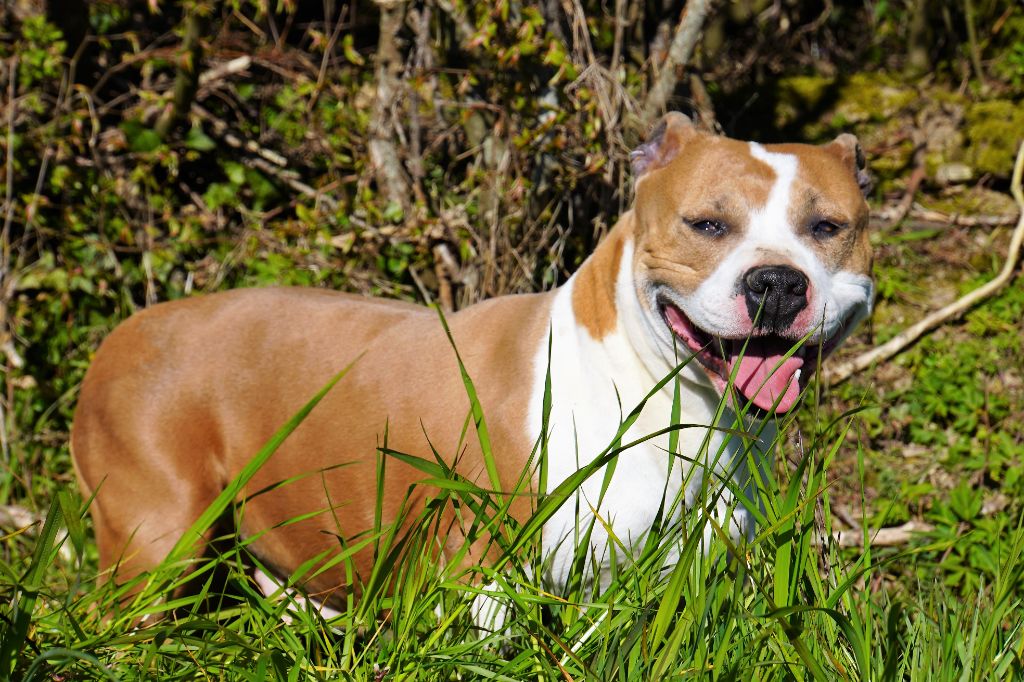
{"type": "Point", "coordinates": [732, 252]}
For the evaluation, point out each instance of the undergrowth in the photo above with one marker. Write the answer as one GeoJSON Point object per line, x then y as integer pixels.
{"type": "Point", "coordinates": [689, 603]}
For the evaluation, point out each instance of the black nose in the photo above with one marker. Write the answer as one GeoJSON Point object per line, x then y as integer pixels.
{"type": "Point", "coordinates": [774, 294]}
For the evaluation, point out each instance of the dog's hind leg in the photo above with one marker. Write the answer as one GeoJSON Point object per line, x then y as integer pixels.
{"type": "Point", "coordinates": [146, 494]}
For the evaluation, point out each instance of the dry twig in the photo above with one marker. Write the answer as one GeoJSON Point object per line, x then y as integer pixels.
{"type": "Point", "coordinates": [883, 537]}
{"type": "Point", "coordinates": [266, 160]}
{"type": "Point", "coordinates": [913, 184]}
{"type": "Point", "coordinates": [930, 216]}
{"type": "Point", "coordinates": [221, 130]}
{"type": "Point", "coordinates": [909, 335]}
{"type": "Point", "coordinates": [683, 44]}
{"type": "Point", "coordinates": [225, 69]}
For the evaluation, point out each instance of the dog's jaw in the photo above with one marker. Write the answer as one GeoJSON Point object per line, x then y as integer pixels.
{"type": "Point", "coordinates": [768, 370]}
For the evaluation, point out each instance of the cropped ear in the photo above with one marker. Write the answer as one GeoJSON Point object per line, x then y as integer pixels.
{"type": "Point", "coordinates": [663, 144]}
{"type": "Point", "coordinates": [849, 150]}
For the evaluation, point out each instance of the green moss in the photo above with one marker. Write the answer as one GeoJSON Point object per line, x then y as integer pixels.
{"type": "Point", "coordinates": [832, 105]}
{"type": "Point", "coordinates": [994, 131]}
{"type": "Point", "coordinates": [873, 97]}
{"type": "Point", "coordinates": [807, 91]}
{"type": "Point", "coordinates": [971, 201]}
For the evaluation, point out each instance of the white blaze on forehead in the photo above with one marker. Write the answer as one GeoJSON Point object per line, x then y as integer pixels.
{"type": "Point", "coordinates": [770, 239]}
{"type": "Point", "coordinates": [770, 223]}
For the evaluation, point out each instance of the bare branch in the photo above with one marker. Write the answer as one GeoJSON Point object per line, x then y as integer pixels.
{"type": "Point", "coordinates": [913, 184]}
{"type": "Point", "coordinates": [929, 216]}
{"type": "Point", "coordinates": [266, 160]}
{"type": "Point", "coordinates": [225, 69]}
{"type": "Point", "coordinates": [221, 130]}
{"type": "Point", "coordinates": [391, 176]}
{"type": "Point", "coordinates": [883, 537]}
{"type": "Point", "coordinates": [464, 30]}
{"type": "Point", "coordinates": [186, 82]}
{"type": "Point", "coordinates": [683, 43]}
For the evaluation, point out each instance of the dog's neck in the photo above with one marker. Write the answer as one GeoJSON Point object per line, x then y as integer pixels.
{"type": "Point", "coordinates": [606, 301]}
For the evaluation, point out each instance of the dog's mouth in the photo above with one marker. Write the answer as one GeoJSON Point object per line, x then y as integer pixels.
{"type": "Point", "coordinates": [768, 370]}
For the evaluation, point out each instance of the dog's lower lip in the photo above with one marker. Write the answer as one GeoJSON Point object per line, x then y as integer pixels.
{"type": "Point", "coordinates": [707, 348]}
{"type": "Point", "coordinates": [721, 357]}
{"type": "Point", "coordinates": [811, 351]}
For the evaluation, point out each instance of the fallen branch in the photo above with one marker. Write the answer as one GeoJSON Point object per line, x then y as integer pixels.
{"type": "Point", "coordinates": [221, 130]}
{"type": "Point", "coordinates": [683, 44]}
{"type": "Point", "coordinates": [883, 537]}
{"type": "Point", "coordinates": [266, 160]}
{"type": "Point", "coordinates": [908, 336]}
{"type": "Point", "coordinates": [930, 216]}
{"type": "Point", "coordinates": [890, 215]}
{"type": "Point", "coordinates": [288, 178]}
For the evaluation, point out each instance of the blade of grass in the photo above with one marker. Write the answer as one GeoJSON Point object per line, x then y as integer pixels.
{"type": "Point", "coordinates": [23, 605]}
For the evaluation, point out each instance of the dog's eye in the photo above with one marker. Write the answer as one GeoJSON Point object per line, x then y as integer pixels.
{"type": "Point", "coordinates": [710, 227]}
{"type": "Point", "coordinates": [824, 229]}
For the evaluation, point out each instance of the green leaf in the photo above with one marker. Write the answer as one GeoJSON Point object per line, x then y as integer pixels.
{"type": "Point", "coordinates": [140, 138]}
{"type": "Point", "coordinates": [349, 51]}
{"type": "Point", "coordinates": [393, 212]}
{"type": "Point", "coordinates": [199, 141]}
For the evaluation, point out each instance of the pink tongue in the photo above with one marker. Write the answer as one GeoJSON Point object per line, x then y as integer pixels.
{"type": "Point", "coordinates": [755, 374]}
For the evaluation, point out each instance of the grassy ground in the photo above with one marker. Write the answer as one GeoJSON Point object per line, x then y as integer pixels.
{"type": "Point", "coordinates": [790, 605]}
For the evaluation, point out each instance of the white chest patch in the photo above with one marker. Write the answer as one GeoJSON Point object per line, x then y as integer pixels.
{"type": "Point", "coordinates": [595, 384]}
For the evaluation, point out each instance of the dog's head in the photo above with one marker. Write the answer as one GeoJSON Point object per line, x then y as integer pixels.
{"type": "Point", "coordinates": [743, 250]}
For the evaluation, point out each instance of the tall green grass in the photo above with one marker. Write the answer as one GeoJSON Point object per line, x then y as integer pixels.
{"type": "Point", "coordinates": [789, 605]}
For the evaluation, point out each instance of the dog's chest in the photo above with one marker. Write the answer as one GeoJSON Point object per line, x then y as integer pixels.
{"type": "Point", "coordinates": [595, 385]}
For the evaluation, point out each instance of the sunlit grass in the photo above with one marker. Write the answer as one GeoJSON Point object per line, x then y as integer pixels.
{"type": "Point", "coordinates": [688, 603]}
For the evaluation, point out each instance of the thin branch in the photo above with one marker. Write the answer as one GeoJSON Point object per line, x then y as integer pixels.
{"type": "Point", "coordinates": [228, 68]}
{"type": "Point", "coordinates": [266, 160]}
{"type": "Point", "coordinates": [446, 269]}
{"type": "Point", "coordinates": [288, 178]}
{"type": "Point", "coordinates": [186, 82]}
{"type": "Point", "coordinates": [972, 42]}
{"type": "Point", "coordinates": [221, 130]}
{"type": "Point", "coordinates": [908, 336]}
{"type": "Point", "coordinates": [703, 106]}
{"type": "Point", "coordinates": [5, 234]}
{"type": "Point", "coordinates": [620, 29]}
{"type": "Point", "coordinates": [464, 31]}
{"type": "Point", "coordinates": [894, 536]}
{"type": "Point", "coordinates": [683, 44]}
{"type": "Point", "coordinates": [913, 184]}
{"type": "Point", "coordinates": [929, 216]}
{"type": "Point", "coordinates": [391, 176]}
